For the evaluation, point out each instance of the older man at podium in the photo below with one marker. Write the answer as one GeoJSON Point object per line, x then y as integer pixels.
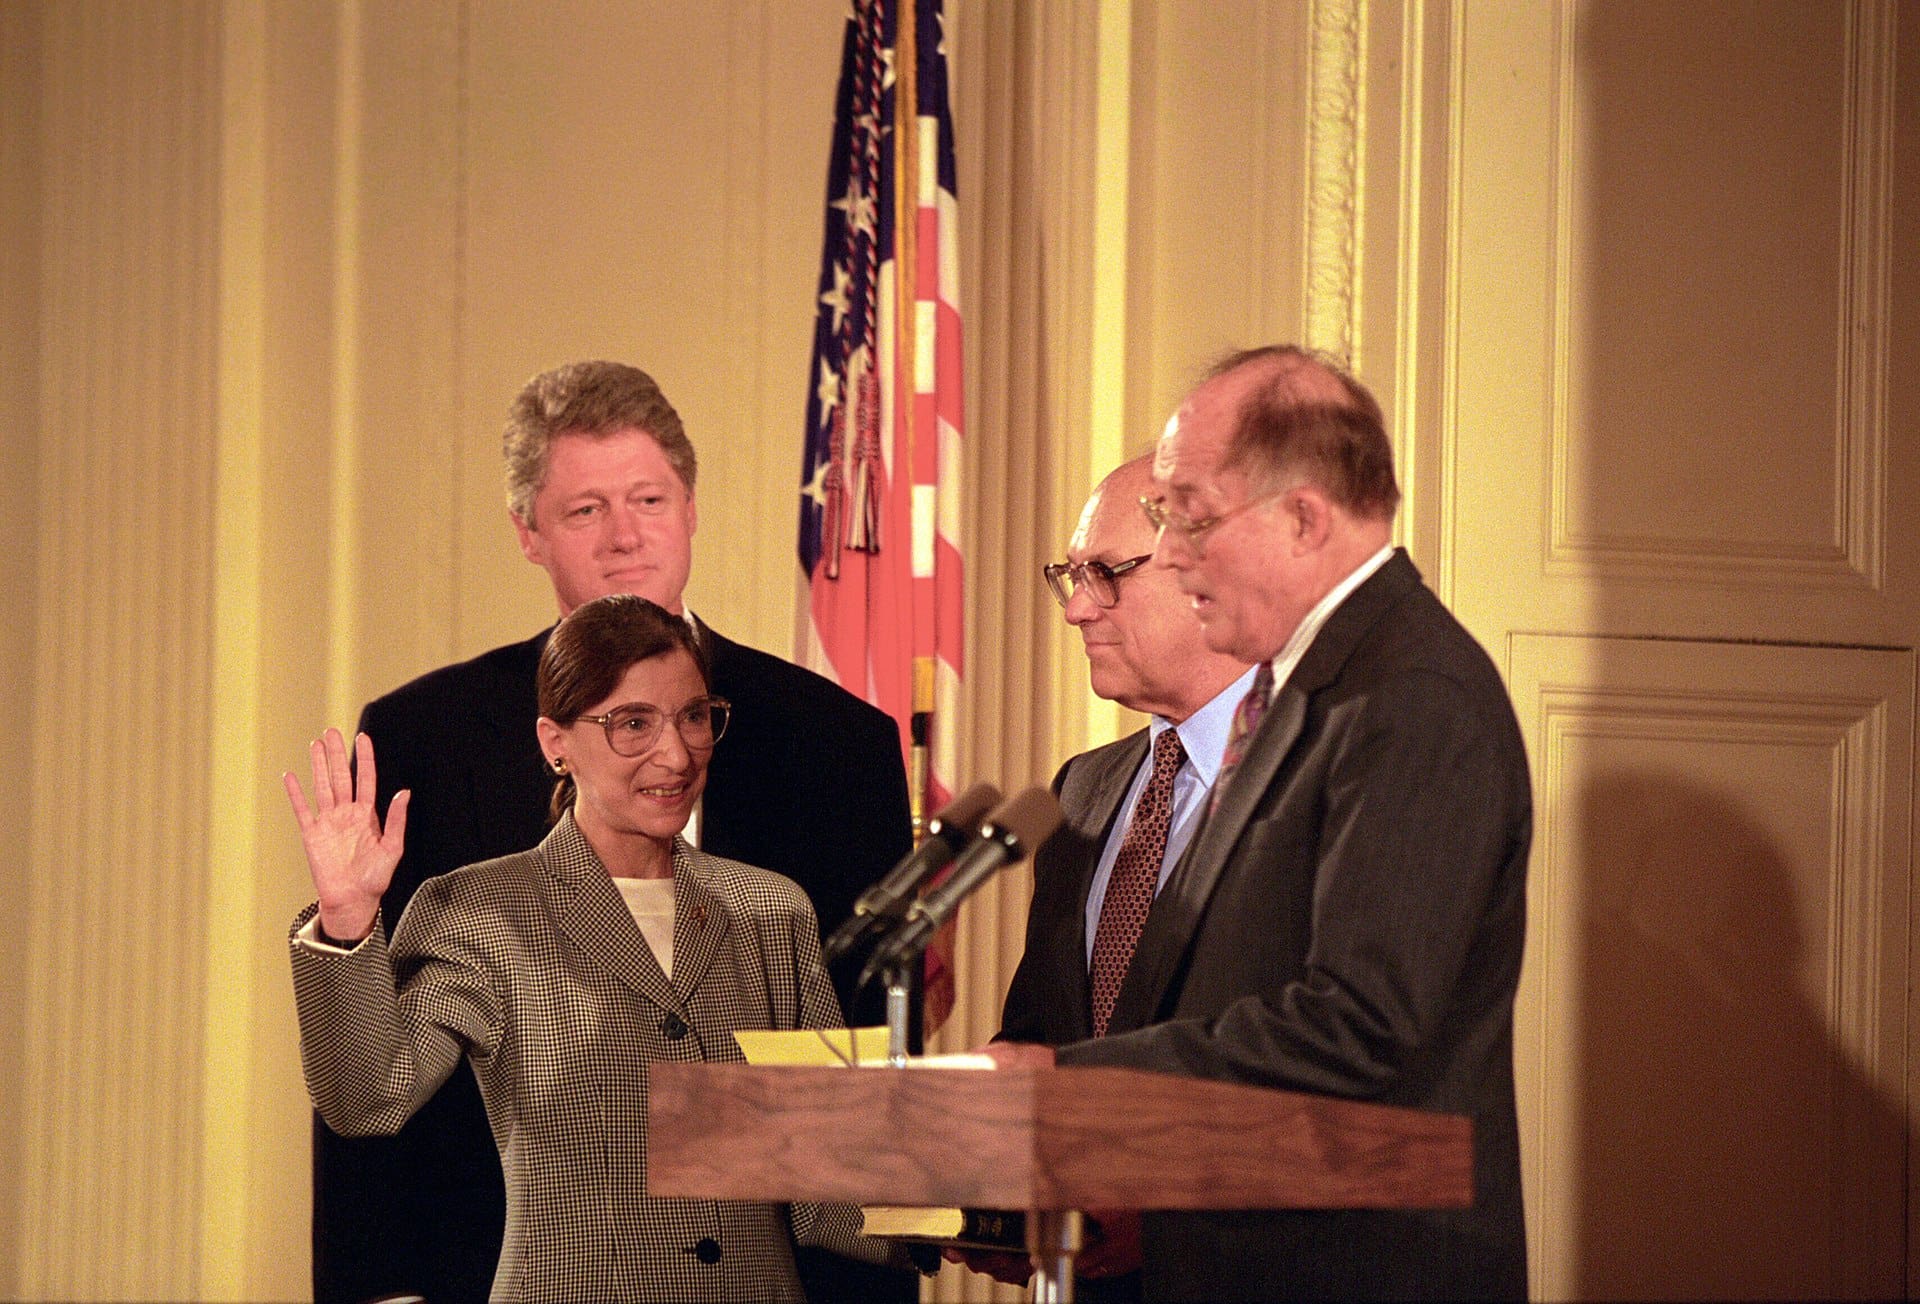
{"type": "Point", "coordinates": [1349, 918]}
{"type": "Point", "coordinates": [1134, 803]}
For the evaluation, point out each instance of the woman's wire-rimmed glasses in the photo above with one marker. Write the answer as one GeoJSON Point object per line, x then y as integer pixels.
{"type": "Point", "coordinates": [634, 730]}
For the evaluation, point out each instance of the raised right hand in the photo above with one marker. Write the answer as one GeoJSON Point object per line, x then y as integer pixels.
{"type": "Point", "coordinates": [349, 855]}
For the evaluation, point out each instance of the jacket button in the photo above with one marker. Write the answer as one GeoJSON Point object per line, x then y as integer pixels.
{"type": "Point", "coordinates": [707, 1251]}
{"type": "Point", "coordinates": [676, 1027]}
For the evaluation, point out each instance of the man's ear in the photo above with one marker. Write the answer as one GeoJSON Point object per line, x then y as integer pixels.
{"type": "Point", "coordinates": [532, 546]}
{"type": "Point", "coordinates": [1309, 517]}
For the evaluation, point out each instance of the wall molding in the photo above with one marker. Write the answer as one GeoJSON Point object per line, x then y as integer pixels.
{"type": "Point", "coordinates": [1335, 175]}
{"type": "Point", "coordinates": [1854, 557]}
{"type": "Point", "coordinates": [1643, 700]}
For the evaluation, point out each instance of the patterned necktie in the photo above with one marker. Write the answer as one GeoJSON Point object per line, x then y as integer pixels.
{"type": "Point", "coordinates": [1136, 870]}
{"type": "Point", "coordinates": [1246, 718]}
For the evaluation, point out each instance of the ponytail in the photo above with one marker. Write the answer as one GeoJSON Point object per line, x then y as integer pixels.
{"type": "Point", "coordinates": [563, 792]}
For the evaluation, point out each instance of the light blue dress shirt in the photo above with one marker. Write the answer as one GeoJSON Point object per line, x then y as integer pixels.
{"type": "Point", "coordinates": [1203, 735]}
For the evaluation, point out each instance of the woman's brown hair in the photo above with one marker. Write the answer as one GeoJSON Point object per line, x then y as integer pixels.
{"type": "Point", "coordinates": [592, 648]}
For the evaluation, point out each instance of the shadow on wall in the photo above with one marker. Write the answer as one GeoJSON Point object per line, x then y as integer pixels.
{"type": "Point", "coordinates": [1707, 1063]}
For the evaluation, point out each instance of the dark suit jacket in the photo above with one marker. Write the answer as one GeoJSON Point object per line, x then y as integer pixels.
{"type": "Point", "coordinates": [1049, 1001]}
{"type": "Point", "coordinates": [1350, 921]}
{"type": "Point", "coordinates": [808, 782]}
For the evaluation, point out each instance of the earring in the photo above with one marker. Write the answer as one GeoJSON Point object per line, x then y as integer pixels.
{"type": "Point", "coordinates": [559, 765]}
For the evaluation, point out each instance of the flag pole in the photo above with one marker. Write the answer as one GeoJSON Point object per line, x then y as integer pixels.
{"type": "Point", "coordinates": [906, 267]}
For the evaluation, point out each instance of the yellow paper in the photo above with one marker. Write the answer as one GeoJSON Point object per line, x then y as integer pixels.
{"type": "Point", "coordinates": [812, 1047]}
{"type": "Point", "coordinates": [833, 1048]}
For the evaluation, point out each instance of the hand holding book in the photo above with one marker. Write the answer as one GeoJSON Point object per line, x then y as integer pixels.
{"type": "Point", "coordinates": [1112, 1244]}
{"type": "Point", "coordinates": [997, 1230]}
{"type": "Point", "coordinates": [1111, 1249]}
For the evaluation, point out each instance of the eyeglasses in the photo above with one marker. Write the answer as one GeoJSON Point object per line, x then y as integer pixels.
{"type": "Point", "coordinates": [1102, 581]}
{"type": "Point", "coordinates": [1163, 517]}
{"type": "Point", "coordinates": [635, 730]}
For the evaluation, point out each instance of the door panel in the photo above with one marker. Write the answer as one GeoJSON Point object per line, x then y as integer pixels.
{"type": "Point", "coordinates": [1714, 1003]}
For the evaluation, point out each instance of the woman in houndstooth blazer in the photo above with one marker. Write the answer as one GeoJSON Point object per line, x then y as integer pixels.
{"type": "Point", "coordinates": [564, 971]}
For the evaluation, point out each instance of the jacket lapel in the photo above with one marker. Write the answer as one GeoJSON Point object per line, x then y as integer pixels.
{"type": "Point", "coordinates": [589, 911]}
{"type": "Point", "coordinates": [1177, 912]}
{"type": "Point", "coordinates": [700, 920]}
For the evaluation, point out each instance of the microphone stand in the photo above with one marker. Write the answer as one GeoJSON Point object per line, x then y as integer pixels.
{"type": "Point", "coordinates": [1008, 835]}
{"type": "Point", "coordinates": [899, 981]}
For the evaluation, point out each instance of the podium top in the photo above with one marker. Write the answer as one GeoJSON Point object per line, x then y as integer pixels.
{"type": "Point", "coordinates": [1063, 1138]}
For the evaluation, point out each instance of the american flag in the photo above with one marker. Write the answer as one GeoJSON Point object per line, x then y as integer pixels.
{"type": "Point", "coordinates": [879, 492]}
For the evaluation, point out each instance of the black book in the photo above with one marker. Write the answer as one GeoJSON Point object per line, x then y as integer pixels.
{"type": "Point", "coordinates": [974, 1229]}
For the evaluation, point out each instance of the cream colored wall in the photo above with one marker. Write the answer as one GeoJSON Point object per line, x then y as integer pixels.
{"type": "Point", "coordinates": [19, 294]}
{"type": "Point", "coordinates": [113, 787]}
{"type": "Point", "coordinates": [1678, 448]}
{"type": "Point", "coordinates": [272, 271]}
{"type": "Point", "coordinates": [540, 183]}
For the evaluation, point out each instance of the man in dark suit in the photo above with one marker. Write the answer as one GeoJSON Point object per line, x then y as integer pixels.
{"type": "Point", "coordinates": [1350, 918]}
{"type": "Point", "coordinates": [808, 782]}
{"type": "Point", "coordinates": [1145, 650]}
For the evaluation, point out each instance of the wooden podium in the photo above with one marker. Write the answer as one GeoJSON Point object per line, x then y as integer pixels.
{"type": "Point", "coordinates": [1048, 1141]}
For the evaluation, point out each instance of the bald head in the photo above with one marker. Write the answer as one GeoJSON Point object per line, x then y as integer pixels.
{"type": "Point", "coordinates": [1294, 374]}
{"type": "Point", "coordinates": [1276, 477]}
{"type": "Point", "coordinates": [1292, 413]}
{"type": "Point", "coordinates": [1112, 512]}
{"type": "Point", "coordinates": [1147, 651]}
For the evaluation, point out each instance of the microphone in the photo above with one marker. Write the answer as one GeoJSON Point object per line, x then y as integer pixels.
{"type": "Point", "coordinates": [1011, 833]}
{"type": "Point", "coordinates": [948, 834]}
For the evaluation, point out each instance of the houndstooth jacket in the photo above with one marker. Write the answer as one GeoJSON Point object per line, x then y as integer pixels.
{"type": "Point", "coordinates": [532, 966]}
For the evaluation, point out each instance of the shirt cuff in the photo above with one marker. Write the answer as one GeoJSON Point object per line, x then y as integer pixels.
{"type": "Point", "coordinates": [310, 936]}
